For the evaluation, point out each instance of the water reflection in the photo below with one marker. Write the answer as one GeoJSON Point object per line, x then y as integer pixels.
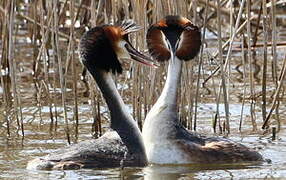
{"type": "Point", "coordinates": [255, 70]}
{"type": "Point", "coordinates": [156, 172]}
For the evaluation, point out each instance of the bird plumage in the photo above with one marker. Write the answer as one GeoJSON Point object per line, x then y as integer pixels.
{"type": "Point", "coordinates": [100, 50]}
{"type": "Point", "coordinates": [176, 39]}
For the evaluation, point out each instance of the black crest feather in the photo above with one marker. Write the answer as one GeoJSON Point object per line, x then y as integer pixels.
{"type": "Point", "coordinates": [96, 51]}
{"type": "Point", "coordinates": [129, 26]}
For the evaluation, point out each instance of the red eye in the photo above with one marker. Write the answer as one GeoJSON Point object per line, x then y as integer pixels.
{"type": "Point", "coordinates": [125, 37]}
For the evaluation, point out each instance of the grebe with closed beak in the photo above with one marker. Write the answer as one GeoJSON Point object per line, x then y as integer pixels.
{"type": "Point", "coordinates": [176, 39]}
{"type": "Point", "coordinates": [100, 49]}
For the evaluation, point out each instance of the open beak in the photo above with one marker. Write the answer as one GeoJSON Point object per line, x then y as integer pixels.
{"type": "Point", "coordinates": [137, 56]}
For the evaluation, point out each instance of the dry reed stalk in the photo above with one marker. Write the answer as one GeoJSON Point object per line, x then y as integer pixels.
{"type": "Point", "coordinates": [216, 119]}
{"type": "Point", "coordinates": [147, 93]}
{"type": "Point", "coordinates": [71, 57]}
{"type": "Point", "coordinates": [190, 98]}
{"type": "Point", "coordinates": [133, 69]}
{"type": "Point", "coordinates": [255, 36]}
{"type": "Point", "coordinates": [4, 67]}
{"type": "Point", "coordinates": [135, 91]}
{"type": "Point", "coordinates": [244, 82]}
{"type": "Point", "coordinates": [264, 70]}
{"type": "Point", "coordinates": [231, 32]}
{"type": "Point", "coordinates": [183, 8]}
{"type": "Point", "coordinates": [99, 118]}
{"type": "Point", "coordinates": [46, 86]}
{"type": "Point", "coordinates": [39, 102]}
{"type": "Point", "coordinates": [29, 19]}
{"type": "Point", "coordinates": [276, 95]}
{"type": "Point", "coordinates": [224, 11]}
{"type": "Point", "coordinates": [222, 70]}
{"type": "Point", "coordinates": [54, 83]}
{"type": "Point", "coordinates": [45, 41]}
{"type": "Point", "coordinates": [274, 40]}
{"type": "Point", "coordinates": [151, 80]}
{"type": "Point", "coordinates": [100, 7]}
{"type": "Point", "coordinates": [94, 93]}
{"type": "Point", "coordinates": [239, 30]}
{"type": "Point", "coordinates": [151, 94]}
{"type": "Point", "coordinates": [12, 69]}
{"type": "Point", "coordinates": [96, 125]}
{"type": "Point", "coordinates": [140, 99]}
{"type": "Point", "coordinates": [200, 67]}
{"type": "Point", "coordinates": [249, 57]}
{"type": "Point", "coordinates": [274, 52]}
{"type": "Point", "coordinates": [144, 71]}
{"type": "Point", "coordinates": [58, 57]}
{"type": "Point", "coordinates": [231, 17]}
{"type": "Point", "coordinates": [194, 7]}
{"type": "Point", "coordinates": [182, 99]}
{"type": "Point", "coordinates": [46, 62]}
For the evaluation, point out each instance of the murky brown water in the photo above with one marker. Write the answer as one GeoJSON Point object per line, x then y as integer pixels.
{"type": "Point", "coordinates": [15, 152]}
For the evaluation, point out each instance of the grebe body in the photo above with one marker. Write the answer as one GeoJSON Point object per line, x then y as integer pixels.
{"type": "Point", "coordinates": [176, 39]}
{"type": "Point", "coordinates": [100, 50]}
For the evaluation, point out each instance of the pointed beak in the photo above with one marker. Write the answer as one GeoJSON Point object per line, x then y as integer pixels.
{"type": "Point", "coordinates": [137, 56]}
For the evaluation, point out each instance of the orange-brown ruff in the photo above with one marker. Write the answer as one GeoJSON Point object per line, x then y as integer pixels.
{"type": "Point", "coordinates": [174, 28]}
{"type": "Point", "coordinates": [176, 39]}
{"type": "Point", "coordinates": [100, 49]}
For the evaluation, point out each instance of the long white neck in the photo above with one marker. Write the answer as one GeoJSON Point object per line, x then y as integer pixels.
{"type": "Point", "coordinates": [167, 102]}
{"type": "Point", "coordinates": [121, 121]}
{"type": "Point", "coordinates": [169, 93]}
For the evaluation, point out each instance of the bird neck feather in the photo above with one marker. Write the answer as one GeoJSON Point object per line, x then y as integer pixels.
{"type": "Point", "coordinates": [121, 121]}
{"type": "Point", "coordinates": [167, 102]}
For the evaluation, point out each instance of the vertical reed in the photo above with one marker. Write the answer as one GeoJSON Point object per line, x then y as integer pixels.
{"type": "Point", "coordinates": [4, 65]}
{"type": "Point", "coordinates": [244, 82]}
{"type": "Point", "coordinates": [71, 57]}
{"type": "Point", "coordinates": [12, 69]}
{"type": "Point", "coordinates": [58, 60]}
{"type": "Point", "coordinates": [222, 71]}
{"type": "Point", "coordinates": [55, 63]}
{"type": "Point", "coordinates": [249, 58]}
{"type": "Point", "coordinates": [273, 41]}
{"type": "Point", "coordinates": [264, 70]}
{"type": "Point", "coordinates": [200, 66]}
{"type": "Point", "coordinates": [276, 95]}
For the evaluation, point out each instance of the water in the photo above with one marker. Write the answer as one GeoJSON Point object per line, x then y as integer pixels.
{"type": "Point", "coordinates": [14, 157]}
{"type": "Point", "coordinates": [15, 153]}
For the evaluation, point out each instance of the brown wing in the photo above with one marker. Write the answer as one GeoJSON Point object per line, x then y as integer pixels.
{"type": "Point", "coordinates": [106, 151]}
{"type": "Point", "coordinates": [219, 152]}
{"type": "Point", "coordinates": [157, 44]}
{"type": "Point", "coordinates": [190, 42]}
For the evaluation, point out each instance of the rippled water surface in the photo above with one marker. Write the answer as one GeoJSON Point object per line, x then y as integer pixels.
{"type": "Point", "coordinates": [15, 153]}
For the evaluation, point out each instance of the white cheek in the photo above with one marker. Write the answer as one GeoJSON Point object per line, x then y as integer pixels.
{"type": "Point", "coordinates": [122, 53]}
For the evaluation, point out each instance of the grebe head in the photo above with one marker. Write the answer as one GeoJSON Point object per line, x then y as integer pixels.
{"type": "Point", "coordinates": [173, 35]}
{"type": "Point", "coordinates": [101, 47]}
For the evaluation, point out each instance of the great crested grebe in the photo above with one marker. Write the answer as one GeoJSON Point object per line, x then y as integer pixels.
{"type": "Point", "coordinates": [176, 39]}
{"type": "Point", "coordinates": [100, 50]}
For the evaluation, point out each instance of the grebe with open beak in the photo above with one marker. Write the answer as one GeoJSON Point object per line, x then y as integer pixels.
{"type": "Point", "coordinates": [100, 50]}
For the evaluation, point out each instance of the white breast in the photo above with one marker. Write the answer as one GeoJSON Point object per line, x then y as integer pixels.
{"type": "Point", "coordinates": [166, 153]}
